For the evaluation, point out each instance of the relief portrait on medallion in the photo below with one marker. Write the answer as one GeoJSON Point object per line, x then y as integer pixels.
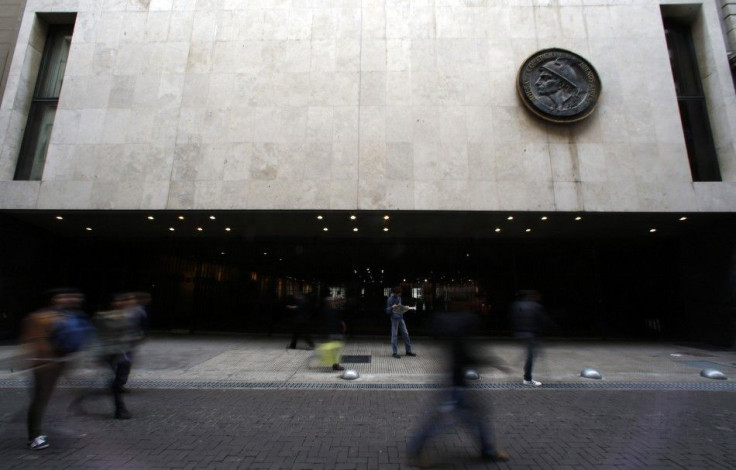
{"type": "Point", "coordinates": [558, 85]}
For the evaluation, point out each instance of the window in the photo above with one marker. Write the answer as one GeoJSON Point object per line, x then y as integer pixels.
{"type": "Point", "coordinates": [692, 102]}
{"type": "Point", "coordinates": [43, 106]}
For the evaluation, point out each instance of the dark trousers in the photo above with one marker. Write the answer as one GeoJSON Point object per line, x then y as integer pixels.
{"type": "Point", "coordinates": [120, 364]}
{"type": "Point", "coordinates": [530, 343]}
{"type": "Point", "coordinates": [45, 378]}
{"type": "Point", "coordinates": [301, 330]}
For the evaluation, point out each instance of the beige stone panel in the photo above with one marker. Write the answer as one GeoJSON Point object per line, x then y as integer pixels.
{"type": "Point", "coordinates": [650, 166]}
{"type": "Point", "coordinates": [399, 124]}
{"type": "Point", "coordinates": [343, 194]}
{"type": "Point", "coordinates": [347, 55]}
{"type": "Point", "coordinates": [373, 123]}
{"type": "Point", "coordinates": [399, 195]}
{"type": "Point", "coordinates": [320, 123]}
{"type": "Point", "coordinates": [338, 89]}
{"type": "Point", "coordinates": [399, 161]}
{"type": "Point", "coordinates": [478, 89]}
{"type": "Point", "coordinates": [453, 125]}
{"type": "Point", "coordinates": [181, 195]}
{"type": "Point", "coordinates": [568, 196]}
{"type": "Point", "coordinates": [423, 55]}
{"type": "Point", "coordinates": [107, 161]}
{"type": "Point", "coordinates": [592, 163]}
{"type": "Point", "coordinates": [233, 195]}
{"type": "Point", "coordinates": [110, 27]}
{"type": "Point", "coordinates": [208, 194]}
{"type": "Point", "coordinates": [373, 89]}
{"type": "Point", "coordinates": [91, 126]}
{"type": "Point", "coordinates": [572, 22]}
{"type": "Point", "coordinates": [666, 196]}
{"type": "Point", "coordinates": [598, 22]}
{"type": "Point", "coordinates": [65, 195]}
{"type": "Point", "coordinates": [564, 162]}
{"type": "Point", "coordinates": [398, 19]}
{"type": "Point", "coordinates": [122, 91]}
{"type": "Point", "coordinates": [264, 164]}
{"type": "Point", "coordinates": [126, 59]}
{"type": "Point", "coordinates": [452, 21]}
{"type": "Point", "coordinates": [346, 124]}
{"type": "Point", "coordinates": [483, 196]}
{"type": "Point", "coordinates": [116, 194]}
{"type": "Point", "coordinates": [237, 161]}
{"type": "Point", "coordinates": [201, 57]}
{"type": "Point", "coordinates": [621, 165]}
{"type": "Point", "coordinates": [548, 23]}
{"type": "Point", "coordinates": [374, 20]}
{"type": "Point", "coordinates": [291, 89]}
{"type": "Point", "coordinates": [481, 162]}
{"type": "Point", "coordinates": [293, 124]}
{"type": "Point", "coordinates": [196, 90]}
{"type": "Point", "coordinates": [287, 194]}
{"type": "Point", "coordinates": [180, 26]}
{"type": "Point", "coordinates": [426, 124]}
{"type": "Point", "coordinates": [715, 197]}
{"type": "Point", "coordinates": [349, 19]}
{"type": "Point", "coordinates": [447, 161]}
{"type": "Point", "coordinates": [478, 123]}
{"type": "Point", "coordinates": [228, 25]}
{"type": "Point", "coordinates": [59, 163]}
{"type": "Point", "coordinates": [423, 21]}
{"type": "Point", "coordinates": [324, 22]}
{"type": "Point", "coordinates": [204, 26]}
{"type": "Point", "coordinates": [373, 55]}
{"type": "Point", "coordinates": [19, 194]}
{"type": "Point", "coordinates": [537, 164]}
{"type": "Point", "coordinates": [317, 158]}
{"type": "Point", "coordinates": [540, 196]}
{"type": "Point", "coordinates": [344, 162]}
{"type": "Point", "coordinates": [509, 162]}
{"type": "Point", "coordinates": [169, 57]}
{"type": "Point", "coordinates": [324, 55]}
{"type": "Point", "coordinates": [675, 162]}
{"type": "Point", "coordinates": [267, 124]}
{"type": "Point", "coordinates": [372, 162]}
{"type": "Point", "coordinates": [505, 125]}
{"type": "Point", "coordinates": [398, 55]}
{"type": "Point", "coordinates": [596, 196]}
{"type": "Point", "coordinates": [398, 89]}
{"type": "Point", "coordinates": [157, 26]}
{"type": "Point", "coordinates": [187, 159]}
{"type": "Point", "coordinates": [80, 60]}
{"type": "Point", "coordinates": [441, 195]}
{"type": "Point", "coordinates": [372, 194]}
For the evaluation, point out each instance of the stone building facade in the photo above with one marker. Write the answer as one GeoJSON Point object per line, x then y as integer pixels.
{"type": "Point", "coordinates": [363, 105]}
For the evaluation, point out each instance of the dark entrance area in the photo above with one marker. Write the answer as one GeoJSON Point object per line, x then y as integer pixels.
{"type": "Point", "coordinates": [602, 276]}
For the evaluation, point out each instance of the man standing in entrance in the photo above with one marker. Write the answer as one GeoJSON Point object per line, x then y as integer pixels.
{"type": "Point", "coordinates": [528, 316]}
{"type": "Point", "coordinates": [393, 308]}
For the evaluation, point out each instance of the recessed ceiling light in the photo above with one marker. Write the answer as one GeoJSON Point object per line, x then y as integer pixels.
{"type": "Point", "coordinates": [89, 229]}
{"type": "Point", "coordinates": [681, 218]}
{"type": "Point", "coordinates": [385, 229]}
{"type": "Point", "coordinates": [528, 230]}
{"type": "Point", "coordinates": [544, 217]}
{"type": "Point", "coordinates": [497, 229]}
{"type": "Point", "coordinates": [352, 217]}
{"type": "Point", "coordinates": [227, 229]}
{"type": "Point", "coordinates": [212, 217]}
{"type": "Point", "coordinates": [386, 217]}
{"type": "Point", "coordinates": [222, 252]}
{"type": "Point", "coordinates": [325, 229]}
{"type": "Point", "coordinates": [171, 229]}
{"type": "Point", "coordinates": [181, 217]}
{"type": "Point", "coordinates": [199, 229]}
{"type": "Point", "coordinates": [58, 217]}
{"type": "Point", "coordinates": [355, 229]}
{"type": "Point", "coordinates": [652, 230]}
{"type": "Point", "coordinates": [319, 217]}
{"type": "Point", "coordinates": [150, 217]}
{"type": "Point", "coordinates": [511, 217]}
{"type": "Point", "coordinates": [578, 218]}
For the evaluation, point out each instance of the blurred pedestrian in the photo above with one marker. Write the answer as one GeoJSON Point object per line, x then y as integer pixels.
{"type": "Point", "coordinates": [49, 337]}
{"type": "Point", "coordinates": [300, 308]}
{"type": "Point", "coordinates": [332, 313]}
{"type": "Point", "coordinates": [454, 329]}
{"type": "Point", "coordinates": [528, 317]}
{"type": "Point", "coordinates": [396, 311]}
{"type": "Point", "coordinates": [121, 330]}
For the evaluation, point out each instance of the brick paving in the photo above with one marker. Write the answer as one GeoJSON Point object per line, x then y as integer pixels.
{"type": "Point", "coordinates": [368, 429]}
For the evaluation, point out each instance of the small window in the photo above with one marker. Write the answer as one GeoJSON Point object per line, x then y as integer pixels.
{"type": "Point", "coordinates": [43, 106]}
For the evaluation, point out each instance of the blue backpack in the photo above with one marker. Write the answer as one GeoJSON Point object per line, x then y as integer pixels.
{"type": "Point", "coordinates": [71, 333]}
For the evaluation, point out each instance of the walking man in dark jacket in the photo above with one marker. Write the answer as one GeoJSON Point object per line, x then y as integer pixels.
{"type": "Point", "coordinates": [528, 316]}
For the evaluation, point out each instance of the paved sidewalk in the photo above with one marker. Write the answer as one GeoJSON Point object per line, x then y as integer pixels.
{"type": "Point", "coordinates": [246, 361]}
{"type": "Point", "coordinates": [249, 403]}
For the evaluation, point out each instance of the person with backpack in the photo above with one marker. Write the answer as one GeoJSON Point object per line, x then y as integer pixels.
{"type": "Point", "coordinates": [49, 337]}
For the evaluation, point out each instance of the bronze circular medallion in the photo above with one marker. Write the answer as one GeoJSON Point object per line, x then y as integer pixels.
{"type": "Point", "coordinates": [558, 85]}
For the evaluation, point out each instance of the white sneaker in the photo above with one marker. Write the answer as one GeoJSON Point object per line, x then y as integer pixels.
{"type": "Point", "coordinates": [38, 443]}
{"type": "Point", "coordinates": [533, 382]}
